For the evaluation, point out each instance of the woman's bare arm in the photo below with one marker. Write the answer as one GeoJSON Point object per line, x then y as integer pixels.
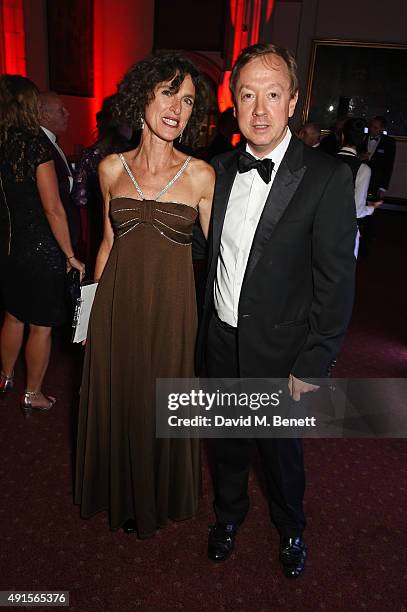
{"type": "Point", "coordinates": [49, 193]}
{"type": "Point", "coordinates": [106, 176]}
{"type": "Point", "coordinates": [207, 182]}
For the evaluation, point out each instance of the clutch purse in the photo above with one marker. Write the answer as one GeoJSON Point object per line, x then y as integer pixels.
{"type": "Point", "coordinates": [82, 312]}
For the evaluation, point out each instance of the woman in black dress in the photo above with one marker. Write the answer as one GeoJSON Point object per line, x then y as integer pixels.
{"type": "Point", "coordinates": [38, 250]}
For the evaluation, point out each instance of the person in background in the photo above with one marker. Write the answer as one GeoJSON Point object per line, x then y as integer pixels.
{"type": "Point", "coordinates": [379, 153]}
{"type": "Point", "coordinates": [310, 134]}
{"type": "Point", "coordinates": [353, 137]}
{"type": "Point", "coordinates": [54, 122]}
{"type": "Point", "coordinates": [222, 142]}
{"type": "Point", "coordinates": [333, 142]}
{"type": "Point", "coordinates": [144, 318]}
{"type": "Point", "coordinates": [86, 193]}
{"type": "Point", "coordinates": [227, 126]}
{"type": "Point", "coordinates": [39, 245]}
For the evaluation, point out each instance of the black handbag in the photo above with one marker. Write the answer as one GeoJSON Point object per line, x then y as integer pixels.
{"type": "Point", "coordinates": [73, 295]}
{"type": "Point", "coordinates": [73, 286]}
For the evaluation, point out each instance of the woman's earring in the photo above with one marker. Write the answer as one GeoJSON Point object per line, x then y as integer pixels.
{"type": "Point", "coordinates": [180, 136]}
{"type": "Point", "coordinates": [141, 123]}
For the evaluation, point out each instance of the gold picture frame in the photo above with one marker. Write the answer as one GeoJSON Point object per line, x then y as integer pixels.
{"type": "Point", "coordinates": [360, 79]}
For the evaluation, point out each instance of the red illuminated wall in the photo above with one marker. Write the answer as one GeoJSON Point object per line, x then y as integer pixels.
{"type": "Point", "coordinates": [246, 20]}
{"type": "Point", "coordinates": [12, 37]}
{"type": "Point", "coordinates": [123, 34]}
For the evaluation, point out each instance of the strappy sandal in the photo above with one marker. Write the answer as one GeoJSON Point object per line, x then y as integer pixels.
{"type": "Point", "coordinates": [27, 406]}
{"type": "Point", "coordinates": [6, 383]}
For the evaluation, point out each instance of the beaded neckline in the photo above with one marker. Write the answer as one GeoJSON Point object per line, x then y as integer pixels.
{"type": "Point", "coordinates": [167, 186]}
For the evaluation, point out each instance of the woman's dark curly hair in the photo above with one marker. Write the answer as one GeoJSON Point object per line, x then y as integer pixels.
{"type": "Point", "coordinates": [136, 90]}
{"type": "Point", "coordinates": [19, 105]}
{"type": "Point", "coordinates": [107, 124]}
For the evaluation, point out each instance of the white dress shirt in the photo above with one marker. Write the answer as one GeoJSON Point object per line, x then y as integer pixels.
{"type": "Point", "coordinates": [53, 139]}
{"type": "Point", "coordinates": [361, 185]}
{"type": "Point", "coordinates": [361, 188]}
{"type": "Point", "coordinates": [247, 199]}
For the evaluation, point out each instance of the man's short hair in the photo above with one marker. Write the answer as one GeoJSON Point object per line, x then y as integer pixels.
{"type": "Point", "coordinates": [46, 97]}
{"type": "Point", "coordinates": [264, 50]}
{"type": "Point", "coordinates": [314, 126]}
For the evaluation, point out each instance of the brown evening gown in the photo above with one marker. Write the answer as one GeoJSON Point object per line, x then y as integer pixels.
{"type": "Point", "coordinates": [143, 326]}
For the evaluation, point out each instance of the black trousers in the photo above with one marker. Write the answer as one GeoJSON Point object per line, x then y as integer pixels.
{"type": "Point", "coordinates": [282, 459]}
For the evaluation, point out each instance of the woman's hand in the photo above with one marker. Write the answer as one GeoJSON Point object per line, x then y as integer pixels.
{"type": "Point", "coordinates": [72, 262]}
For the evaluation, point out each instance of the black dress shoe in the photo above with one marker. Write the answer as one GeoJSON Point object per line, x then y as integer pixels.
{"type": "Point", "coordinates": [130, 526]}
{"type": "Point", "coordinates": [293, 554]}
{"type": "Point", "coordinates": [221, 541]}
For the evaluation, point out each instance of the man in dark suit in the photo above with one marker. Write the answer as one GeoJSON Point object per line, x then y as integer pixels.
{"type": "Point", "coordinates": [222, 142]}
{"type": "Point", "coordinates": [380, 151]}
{"type": "Point", "coordinates": [280, 285]}
{"type": "Point", "coordinates": [333, 142]}
{"type": "Point", "coordinates": [54, 122]}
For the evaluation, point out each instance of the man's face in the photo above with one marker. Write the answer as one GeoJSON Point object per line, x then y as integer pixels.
{"type": "Point", "coordinates": [264, 102]}
{"type": "Point", "coordinates": [375, 128]}
{"type": "Point", "coordinates": [54, 115]}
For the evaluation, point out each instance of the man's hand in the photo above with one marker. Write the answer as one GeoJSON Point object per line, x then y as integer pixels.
{"type": "Point", "coordinates": [297, 386]}
{"type": "Point", "coordinates": [376, 204]}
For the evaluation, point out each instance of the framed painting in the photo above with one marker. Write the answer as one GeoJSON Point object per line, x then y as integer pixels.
{"type": "Point", "coordinates": [70, 47]}
{"type": "Point", "coordinates": [359, 79]}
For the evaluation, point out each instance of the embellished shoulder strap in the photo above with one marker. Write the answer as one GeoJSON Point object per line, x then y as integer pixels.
{"type": "Point", "coordinates": [175, 178]}
{"type": "Point", "coordinates": [131, 175]}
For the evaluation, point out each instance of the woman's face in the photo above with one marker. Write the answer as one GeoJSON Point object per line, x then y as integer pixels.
{"type": "Point", "coordinates": [168, 112]}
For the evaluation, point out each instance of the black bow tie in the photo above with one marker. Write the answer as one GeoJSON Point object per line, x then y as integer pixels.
{"type": "Point", "coordinates": [264, 166]}
{"type": "Point", "coordinates": [374, 138]}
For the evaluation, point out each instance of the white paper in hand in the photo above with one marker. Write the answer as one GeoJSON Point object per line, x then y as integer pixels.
{"type": "Point", "coordinates": [82, 312]}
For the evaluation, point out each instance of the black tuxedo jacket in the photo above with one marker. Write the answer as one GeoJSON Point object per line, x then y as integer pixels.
{"type": "Point", "coordinates": [71, 210]}
{"type": "Point", "coordinates": [297, 293]}
{"type": "Point", "coordinates": [381, 163]}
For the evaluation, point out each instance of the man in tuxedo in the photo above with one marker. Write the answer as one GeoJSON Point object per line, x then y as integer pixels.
{"type": "Point", "coordinates": [54, 122]}
{"type": "Point", "coordinates": [279, 292]}
{"type": "Point", "coordinates": [380, 151]}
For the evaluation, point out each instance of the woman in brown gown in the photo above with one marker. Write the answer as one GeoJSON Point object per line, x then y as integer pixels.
{"type": "Point", "coordinates": [143, 322]}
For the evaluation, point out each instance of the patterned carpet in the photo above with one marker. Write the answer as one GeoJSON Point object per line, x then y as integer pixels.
{"type": "Point", "coordinates": [355, 499]}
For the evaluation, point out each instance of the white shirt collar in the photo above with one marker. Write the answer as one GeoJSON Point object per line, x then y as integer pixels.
{"type": "Point", "coordinates": [50, 134]}
{"type": "Point", "coordinates": [53, 139]}
{"type": "Point", "coordinates": [278, 153]}
{"type": "Point", "coordinates": [348, 150]}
